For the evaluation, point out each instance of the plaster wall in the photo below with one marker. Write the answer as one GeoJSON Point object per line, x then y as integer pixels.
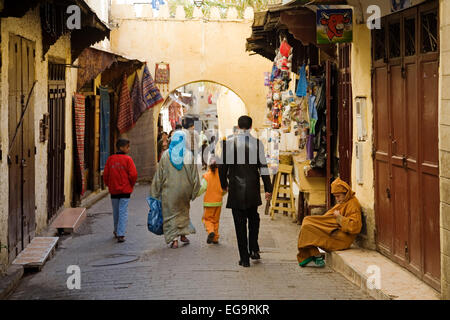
{"type": "Point", "coordinates": [29, 28]}
{"type": "Point", "coordinates": [362, 87]}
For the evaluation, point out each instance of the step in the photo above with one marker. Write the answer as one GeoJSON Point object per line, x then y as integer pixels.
{"type": "Point", "coordinates": [69, 220]}
{"type": "Point", "coordinates": [396, 283]}
{"type": "Point", "coordinates": [283, 200]}
{"type": "Point", "coordinates": [37, 252]}
{"type": "Point", "coordinates": [283, 209]}
{"type": "Point", "coordinates": [284, 190]}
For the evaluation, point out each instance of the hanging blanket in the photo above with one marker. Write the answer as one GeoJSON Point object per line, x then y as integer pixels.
{"type": "Point", "coordinates": [125, 119]}
{"type": "Point", "coordinates": [79, 116]}
{"type": "Point", "coordinates": [104, 125]}
{"type": "Point", "coordinates": [137, 99]}
{"type": "Point", "coordinates": [150, 91]}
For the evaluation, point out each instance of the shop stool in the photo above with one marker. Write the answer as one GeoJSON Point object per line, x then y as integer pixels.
{"type": "Point", "coordinates": [286, 171]}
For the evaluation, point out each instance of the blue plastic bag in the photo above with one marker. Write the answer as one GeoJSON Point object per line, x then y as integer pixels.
{"type": "Point", "coordinates": [155, 218]}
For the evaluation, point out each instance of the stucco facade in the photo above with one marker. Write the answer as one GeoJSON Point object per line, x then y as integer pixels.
{"type": "Point", "coordinates": [29, 27]}
{"type": "Point", "coordinates": [362, 87]}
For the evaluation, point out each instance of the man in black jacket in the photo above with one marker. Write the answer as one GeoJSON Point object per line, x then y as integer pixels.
{"type": "Point", "coordinates": [243, 162]}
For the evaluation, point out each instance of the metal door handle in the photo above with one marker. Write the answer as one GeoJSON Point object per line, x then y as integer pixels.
{"type": "Point", "coordinates": [23, 163]}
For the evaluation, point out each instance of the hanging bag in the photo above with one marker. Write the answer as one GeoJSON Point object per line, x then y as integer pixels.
{"type": "Point", "coordinates": [155, 218]}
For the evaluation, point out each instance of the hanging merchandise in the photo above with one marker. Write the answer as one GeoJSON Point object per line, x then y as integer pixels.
{"type": "Point", "coordinates": [137, 99]}
{"type": "Point", "coordinates": [162, 75]}
{"type": "Point", "coordinates": [266, 79]}
{"type": "Point", "coordinates": [284, 57]}
{"type": "Point", "coordinates": [302, 82]}
{"type": "Point", "coordinates": [125, 118]}
{"type": "Point", "coordinates": [150, 91]}
{"type": "Point", "coordinates": [80, 124]}
{"type": "Point", "coordinates": [277, 114]}
{"type": "Point", "coordinates": [104, 125]}
{"type": "Point", "coordinates": [175, 114]}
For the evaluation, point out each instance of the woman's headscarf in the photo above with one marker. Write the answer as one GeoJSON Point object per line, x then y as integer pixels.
{"type": "Point", "coordinates": [177, 149]}
{"type": "Point", "coordinates": [340, 186]}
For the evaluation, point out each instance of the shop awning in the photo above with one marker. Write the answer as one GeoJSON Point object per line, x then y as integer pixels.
{"type": "Point", "coordinates": [54, 22]}
{"type": "Point", "coordinates": [93, 61]}
{"type": "Point", "coordinates": [16, 9]}
{"type": "Point", "coordinates": [295, 18]}
{"type": "Point", "coordinates": [112, 76]}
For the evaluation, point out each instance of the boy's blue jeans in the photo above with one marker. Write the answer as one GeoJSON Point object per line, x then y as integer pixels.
{"type": "Point", "coordinates": [120, 214]}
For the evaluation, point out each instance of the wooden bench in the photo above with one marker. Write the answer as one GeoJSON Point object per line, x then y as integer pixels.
{"type": "Point", "coordinates": [37, 252]}
{"type": "Point", "coordinates": [69, 220]}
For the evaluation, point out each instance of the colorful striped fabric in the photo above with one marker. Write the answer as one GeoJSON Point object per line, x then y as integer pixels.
{"type": "Point", "coordinates": [125, 119]}
{"type": "Point", "coordinates": [137, 99]}
{"type": "Point", "coordinates": [150, 91]}
{"type": "Point", "coordinates": [80, 124]}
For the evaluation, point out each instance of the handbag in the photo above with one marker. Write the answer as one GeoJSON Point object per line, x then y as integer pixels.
{"type": "Point", "coordinates": [155, 218]}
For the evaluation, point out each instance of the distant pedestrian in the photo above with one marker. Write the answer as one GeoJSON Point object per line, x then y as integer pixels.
{"type": "Point", "coordinates": [176, 183]}
{"type": "Point", "coordinates": [212, 202]}
{"type": "Point", "coordinates": [120, 176]}
{"type": "Point", "coordinates": [243, 163]}
{"type": "Point", "coordinates": [163, 144]}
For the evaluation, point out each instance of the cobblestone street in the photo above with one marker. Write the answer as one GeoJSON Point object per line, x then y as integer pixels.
{"type": "Point", "coordinates": [194, 271]}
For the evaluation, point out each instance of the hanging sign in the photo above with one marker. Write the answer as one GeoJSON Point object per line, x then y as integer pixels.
{"type": "Point", "coordinates": [334, 26]}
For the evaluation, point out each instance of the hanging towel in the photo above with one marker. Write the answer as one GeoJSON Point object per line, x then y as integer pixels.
{"type": "Point", "coordinates": [312, 108]}
{"type": "Point", "coordinates": [104, 125]}
{"type": "Point", "coordinates": [125, 119]}
{"type": "Point", "coordinates": [150, 91]}
{"type": "Point", "coordinates": [80, 124]}
{"type": "Point", "coordinates": [310, 147]}
{"type": "Point", "coordinates": [302, 84]}
{"type": "Point", "coordinates": [137, 99]}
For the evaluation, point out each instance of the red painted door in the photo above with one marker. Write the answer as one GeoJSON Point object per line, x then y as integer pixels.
{"type": "Point", "coordinates": [405, 95]}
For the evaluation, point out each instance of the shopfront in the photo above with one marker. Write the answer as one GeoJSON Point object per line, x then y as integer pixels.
{"type": "Point", "coordinates": [309, 118]}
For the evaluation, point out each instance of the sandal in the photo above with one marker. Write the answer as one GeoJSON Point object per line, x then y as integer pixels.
{"type": "Point", "coordinates": [174, 244]}
{"type": "Point", "coordinates": [184, 239]}
{"type": "Point", "coordinates": [305, 262]}
{"type": "Point", "coordinates": [319, 262]}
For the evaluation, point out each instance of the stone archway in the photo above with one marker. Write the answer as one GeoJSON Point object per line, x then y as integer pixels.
{"type": "Point", "coordinates": [197, 50]}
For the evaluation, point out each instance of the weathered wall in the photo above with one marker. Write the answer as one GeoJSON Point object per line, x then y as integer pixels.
{"type": "Point", "coordinates": [197, 50]}
{"type": "Point", "coordinates": [29, 28]}
{"type": "Point", "coordinates": [229, 108]}
{"type": "Point", "coordinates": [361, 87]}
{"type": "Point", "coordinates": [444, 145]}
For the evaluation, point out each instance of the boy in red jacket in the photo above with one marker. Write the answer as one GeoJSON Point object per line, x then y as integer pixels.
{"type": "Point", "coordinates": [120, 175]}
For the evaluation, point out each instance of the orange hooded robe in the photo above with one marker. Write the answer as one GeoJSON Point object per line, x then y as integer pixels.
{"type": "Point", "coordinates": [326, 231]}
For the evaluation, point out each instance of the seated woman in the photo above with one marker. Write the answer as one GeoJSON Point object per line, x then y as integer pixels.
{"type": "Point", "coordinates": [335, 230]}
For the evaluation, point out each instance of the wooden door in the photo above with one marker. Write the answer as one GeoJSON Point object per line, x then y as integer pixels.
{"type": "Point", "coordinates": [56, 143]}
{"type": "Point", "coordinates": [21, 156]}
{"type": "Point", "coordinates": [405, 94]}
{"type": "Point", "coordinates": [345, 113]}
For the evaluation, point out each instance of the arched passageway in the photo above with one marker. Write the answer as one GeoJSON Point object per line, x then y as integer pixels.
{"type": "Point", "coordinates": [215, 106]}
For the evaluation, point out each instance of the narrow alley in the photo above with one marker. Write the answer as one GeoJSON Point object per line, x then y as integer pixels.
{"type": "Point", "coordinates": [198, 271]}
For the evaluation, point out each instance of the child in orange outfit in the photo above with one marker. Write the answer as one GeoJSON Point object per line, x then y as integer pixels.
{"type": "Point", "coordinates": [212, 202]}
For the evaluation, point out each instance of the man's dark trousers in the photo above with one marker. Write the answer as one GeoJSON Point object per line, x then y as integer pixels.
{"type": "Point", "coordinates": [240, 218]}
